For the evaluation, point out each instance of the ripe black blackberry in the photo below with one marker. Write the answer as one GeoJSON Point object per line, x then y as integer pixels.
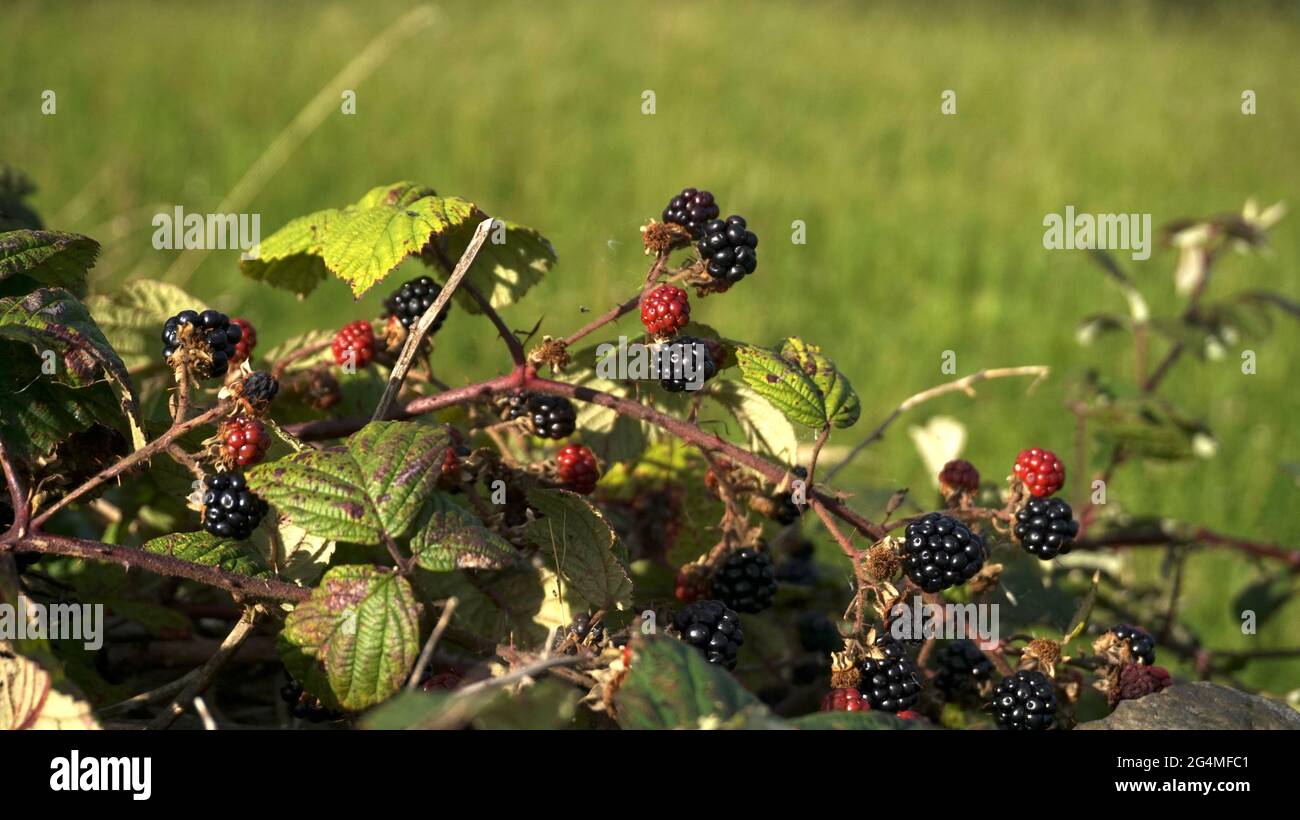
{"type": "Point", "coordinates": [515, 406]}
{"type": "Point", "coordinates": [552, 416]}
{"type": "Point", "coordinates": [889, 684]}
{"type": "Point", "coordinates": [230, 509]}
{"type": "Point", "coordinates": [961, 667]}
{"type": "Point", "coordinates": [940, 552]}
{"type": "Point", "coordinates": [728, 249]}
{"type": "Point", "coordinates": [210, 332]}
{"type": "Point", "coordinates": [409, 302]}
{"type": "Point", "coordinates": [746, 581]}
{"type": "Point", "coordinates": [1045, 527]}
{"type": "Point", "coordinates": [712, 628]}
{"type": "Point", "coordinates": [258, 389]}
{"type": "Point", "coordinates": [799, 568]}
{"type": "Point", "coordinates": [1139, 641]}
{"type": "Point", "coordinates": [582, 627]}
{"type": "Point", "coordinates": [685, 364]}
{"type": "Point", "coordinates": [1024, 701]}
{"type": "Point", "coordinates": [692, 209]}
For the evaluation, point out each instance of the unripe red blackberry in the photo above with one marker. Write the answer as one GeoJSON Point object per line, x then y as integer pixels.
{"type": "Point", "coordinates": [354, 344]}
{"type": "Point", "coordinates": [1137, 681]}
{"type": "Point", "coordinates": [665, 310]}
{"type": "Point", "coordinates": [244, 440]}
{"type": "Point", "coordinates": [691, 209]}
{"type": "Point", "coordinates": [247, 341]}
{"type": "Point", "coordinates": [844, 700]}
{"type": "Point", "coordinates": [1040, 471]}
{"type": "Point", "coordinates": [577, 468]}
{"type": "Point", "coordinates": [959, 476]}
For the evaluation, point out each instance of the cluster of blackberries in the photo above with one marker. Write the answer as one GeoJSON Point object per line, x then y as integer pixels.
{"type": "Point", "coordinates": [1025, 700]}
{"type": "Point", "coordinates": [305, 706]}
{"type": "Point", "coordinates": [209, 331]}
{"type": "Point", "coordinates": [960, 668]}
{"type": "Point", "coordinates": [1139, 641]}
{"type": "Point", "coordinates": [230, 509]}
{"type": "Point", "coordinates": [1045, 527]}
{"type": "Point", "coordinates": [712, 628]}
{"type": "Point", "coordinates": [551, 416]}
{"type": "Point", "coordinates": [940, 552]}
{"type": "Point", "coordinates": [745, 581]}
{"type": "Point", "coordinates": [728, 249]}
{"type": "Point", "coordinates": [409, 302]}
{"type": "Point", "coordinates": [685, 364]}
{"type": "Point", "coordinates": [889, 684]}
{"type": "Point", "coordinates": [692, 209]}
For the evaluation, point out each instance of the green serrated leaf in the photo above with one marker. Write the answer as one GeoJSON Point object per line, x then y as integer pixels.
{"type": "Point", "coordinates": [59, 329]}
{"type": "Point", "coordinates": [46, 412]}
{"type": "Point", "coordinates": [52, 258]}
{"type": "Point", "coordinates": [838, 396]}
{"type": "Point", "coordinates": [493, 606]}
{"type": "Point", "coordinates": [764, 426]}
{"type": "Point", "coordinates": [203, 547]}
{"type": "Point", "coordinates": [448, 537]}
{"type": "Point", "coordinates": [368, 489]}
{"type": "Point", "coordinates": [365, 244]}
{"type": "Point", "coordinates": [290, 258]}
{"type": "Point", "coordinates": [358, 635]}
{"type": "Point", "coordinates": [505, 270]}
{"type": "Point", "coordinates": [581, 545]}
{"type": "Point", "coordinates": [672, 686]}
{"type": "Point", "coordinates": [786, 387]}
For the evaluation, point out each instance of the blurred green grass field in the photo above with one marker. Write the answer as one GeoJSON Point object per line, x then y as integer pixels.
{"type": "Point", "coordinates": [924, 231]}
